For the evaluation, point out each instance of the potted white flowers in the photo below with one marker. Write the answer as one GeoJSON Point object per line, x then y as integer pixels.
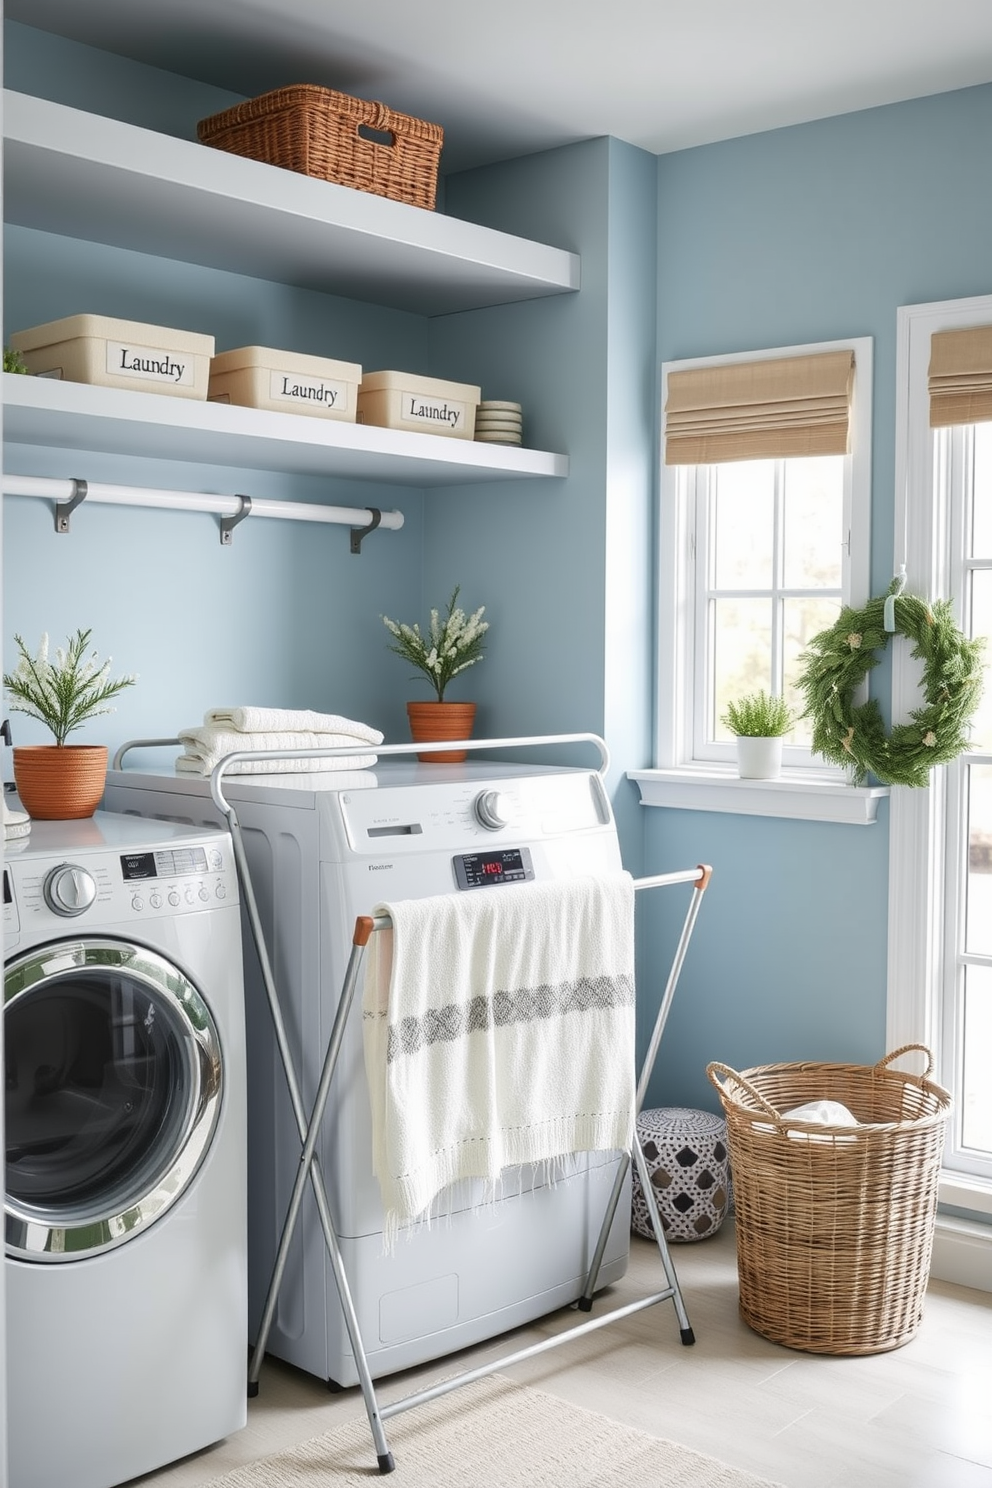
{"type": "Point", "coordinates": [759, 721]}
{"type": "Point", "coordinates": [61, 782]}
{"type": "Point", "coordinates": [449, 645]}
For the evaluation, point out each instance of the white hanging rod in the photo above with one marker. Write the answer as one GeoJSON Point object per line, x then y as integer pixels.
{"type": "Point", "coordinates": [67, 494]}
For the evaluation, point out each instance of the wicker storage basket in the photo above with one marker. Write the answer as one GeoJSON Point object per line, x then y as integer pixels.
{"type": "Point", "coordinates": [834, 1223]}
{"type": "Point", "coordinates": [335, 137]}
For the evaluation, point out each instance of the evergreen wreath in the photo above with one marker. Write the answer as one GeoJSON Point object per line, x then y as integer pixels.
{"type": "Point", "coordinates": [838, 660]}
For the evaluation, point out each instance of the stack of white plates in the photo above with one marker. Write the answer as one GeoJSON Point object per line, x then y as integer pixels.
{"type": "Point", "coordinates": [499, 423]}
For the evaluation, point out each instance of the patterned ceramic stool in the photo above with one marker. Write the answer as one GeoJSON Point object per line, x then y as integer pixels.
{"type": "Point", "coordinates": [686, 1155]}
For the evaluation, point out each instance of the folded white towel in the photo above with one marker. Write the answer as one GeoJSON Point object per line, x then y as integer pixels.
{"type": "Point", "coordinates": [251, 720]}
{"type": "Point", "coordinates": [14, 830]}
{"type": "Point", "coordinates": [12, 818]}
{"type": "Point", "coordinates": [204, 748]}
{"type": "Point", "coordinates": [499, 1030]}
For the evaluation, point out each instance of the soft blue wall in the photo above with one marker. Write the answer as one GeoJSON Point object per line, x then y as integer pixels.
{"type": "Point", "coordinates": [571, 561]}
{"type": "Point", "coordinates": [804, 234]}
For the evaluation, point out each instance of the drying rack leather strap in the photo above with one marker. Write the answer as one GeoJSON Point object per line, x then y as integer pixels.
{"type": "Point", "coordinates": [309, 1123]}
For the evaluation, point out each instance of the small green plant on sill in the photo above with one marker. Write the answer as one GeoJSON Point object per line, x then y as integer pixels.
{"type": "Point", "coordinates": [13, 361]}
{"type": "Point", "coordinates": [758, 715]}
{"type": "Point", "coordinates": [64, 693]}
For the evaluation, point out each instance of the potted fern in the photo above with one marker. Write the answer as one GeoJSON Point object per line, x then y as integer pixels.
{"type": "Point", "coordinates": [759, 721]}
{"type": "Point", "coordinates": [60, 781]}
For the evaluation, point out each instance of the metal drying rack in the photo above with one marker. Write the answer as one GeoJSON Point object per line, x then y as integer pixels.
{"type": "Point", "coordinates": [308, 1124]}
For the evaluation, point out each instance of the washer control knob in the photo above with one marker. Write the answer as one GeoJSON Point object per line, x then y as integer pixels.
{"type": "Point", "coordinates": [69, 890]}
{"type": "Point", "coordinates": [493, 810]}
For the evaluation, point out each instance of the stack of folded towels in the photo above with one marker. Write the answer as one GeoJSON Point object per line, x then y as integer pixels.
{"type": "Point", "coordinates": [15, 823]}
{"type": "Point", "coordinates": [236, 730]}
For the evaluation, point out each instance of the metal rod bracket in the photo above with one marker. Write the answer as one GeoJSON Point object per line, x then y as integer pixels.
{"type": "Point", "coordinates": [65, 509]}
{"type": "Point", "coordinates": [357, 533]}
{"type": "Point", "coordinates": [228, 524]}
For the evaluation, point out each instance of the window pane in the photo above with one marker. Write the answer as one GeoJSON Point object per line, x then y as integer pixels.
{"type": "Point", "coordinates": [814, 523]}
{"type": "Point", "coordinates": [981, 625]}
{"type": "Point", "coordinates": [744, 507]}
{"type": "Point", "coordinates": [742, 651]}
{"type": "Point", "coordinates": [982, 531]}
{"type": "Point", "coordinates": [978, 932]}
{"type": "Point", "coordinates": [804, 618]}
{"type": "Point", "coordinates": [976, 1092]}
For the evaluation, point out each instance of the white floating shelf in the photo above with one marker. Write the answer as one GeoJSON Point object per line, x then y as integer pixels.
{"type": "Point", "coordinates": [73, 415]}
{"type": "Point", "coordinates": [86, 176]}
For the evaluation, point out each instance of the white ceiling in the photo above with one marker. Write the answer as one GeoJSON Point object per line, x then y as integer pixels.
{"type": "Point", "coordinates": [522, 75]}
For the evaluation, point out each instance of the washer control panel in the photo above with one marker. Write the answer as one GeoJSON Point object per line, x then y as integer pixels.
{"type": "Point", "coordinates": [46, 890]}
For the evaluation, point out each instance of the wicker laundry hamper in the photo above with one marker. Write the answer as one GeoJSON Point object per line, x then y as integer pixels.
{"type": "Point", "coordinates": [834, 1223]}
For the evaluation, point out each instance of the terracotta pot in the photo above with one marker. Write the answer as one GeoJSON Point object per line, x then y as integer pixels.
{"type": "Point", "coordinates": [433, 721]}
{"type": "Point", "coordinates": [60, 782]}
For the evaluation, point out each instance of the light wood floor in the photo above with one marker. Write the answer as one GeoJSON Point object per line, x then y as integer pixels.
{"type": "Point", "coordinates": [917, 1417]}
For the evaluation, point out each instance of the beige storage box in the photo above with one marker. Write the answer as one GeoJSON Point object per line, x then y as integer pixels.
{"type": "Point", "coordinates": [399, 400]}
{"type": "Point", "coordinates": [285, 382]}
{"type": "Point", "coordinates": [119, 354]}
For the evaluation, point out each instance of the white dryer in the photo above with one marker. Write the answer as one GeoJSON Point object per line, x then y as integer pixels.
{"type": "Point", "coordinates": [125, 1202]}
{"type": "Point", "coordinates": [323, 849]}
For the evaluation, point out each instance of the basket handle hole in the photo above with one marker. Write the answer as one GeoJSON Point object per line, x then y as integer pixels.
{"type": "Point", "coordinates": [376, 136]}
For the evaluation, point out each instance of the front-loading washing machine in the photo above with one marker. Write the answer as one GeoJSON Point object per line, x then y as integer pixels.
{"type": "Point", "coordinates": [125, 1201]}
{"type": "Point", "coordinates": [324, 848]}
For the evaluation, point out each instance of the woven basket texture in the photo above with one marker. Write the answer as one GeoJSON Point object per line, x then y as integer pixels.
{"type": "Point", "coordinates": [319, 132]}
{"type": "Point", "coordinates": [834, 1223]}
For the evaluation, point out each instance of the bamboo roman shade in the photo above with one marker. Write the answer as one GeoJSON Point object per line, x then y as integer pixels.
{"type": "Point", "coordinates": [760, 410]}
{"type": "Point", "coordinates": [960, 376]}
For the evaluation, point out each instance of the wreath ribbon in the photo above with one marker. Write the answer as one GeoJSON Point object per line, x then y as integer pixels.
{"type": "Point", "coordinates": [837, 661]}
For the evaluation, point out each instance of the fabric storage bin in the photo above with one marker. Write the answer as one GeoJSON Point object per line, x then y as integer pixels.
{"type": "Point", "coordinates": [285, 382]}
{"type": "Point", "coordinates": [118, 353]}
{"type": "Point", "coordinates": [350, 141]}
{"type": "Point", "coordinates": [401, 400]}
{"type": "Point", "coordinates": [834, 1223]}
{"type": "Point", "coordinates": [686, 1156]}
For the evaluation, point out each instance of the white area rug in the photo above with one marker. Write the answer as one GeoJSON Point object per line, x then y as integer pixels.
{"type": "Point", "coordinates": [492, 1434]}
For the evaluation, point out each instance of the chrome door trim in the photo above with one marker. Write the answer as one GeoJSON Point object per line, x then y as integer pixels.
{"type": "Point", "coordinates": [37, 1233]}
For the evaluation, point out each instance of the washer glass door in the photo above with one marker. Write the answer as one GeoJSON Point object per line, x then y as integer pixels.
{"type": "Point", "coordinates": [112, 1076]}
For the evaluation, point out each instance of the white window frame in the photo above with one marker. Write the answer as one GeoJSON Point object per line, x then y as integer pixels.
{"type": "Point", "coordinates": [818, 791]}
{"type": "Point", "coordinates": [917, 817]}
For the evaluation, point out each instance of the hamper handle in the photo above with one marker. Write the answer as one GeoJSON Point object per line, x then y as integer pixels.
{"type": "Point", "coordinates": [907, 1049]}
{"type": "Point", "coordinates": [715, 1068]}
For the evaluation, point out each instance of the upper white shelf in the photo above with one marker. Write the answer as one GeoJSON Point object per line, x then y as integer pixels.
{"type": "Point", "coordinates": [86, 176]}
{"type": "Point", "coordinates": [75, 415]}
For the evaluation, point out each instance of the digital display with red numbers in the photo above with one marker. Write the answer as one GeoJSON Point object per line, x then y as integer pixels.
{"type": "Point", "coordinates": [505, 865]}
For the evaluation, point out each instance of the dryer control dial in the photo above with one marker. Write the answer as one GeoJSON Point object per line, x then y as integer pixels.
{"type": "Point", "coordinates": [493, 809]}
{"type": "Point", "coordinates": [69, 890]}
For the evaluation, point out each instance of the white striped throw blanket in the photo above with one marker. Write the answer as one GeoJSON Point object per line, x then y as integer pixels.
{"type": "Point", "coordinates": [498, 1030]}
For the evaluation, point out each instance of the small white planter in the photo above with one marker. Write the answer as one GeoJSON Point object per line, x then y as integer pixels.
{"type": "Point", "coordinates": [759, 759]}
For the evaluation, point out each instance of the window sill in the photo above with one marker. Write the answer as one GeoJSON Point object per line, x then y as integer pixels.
{"type": "Point", "coordinates": [962, 1191]}
{"type": "Point", "coordinates": [796, 794]}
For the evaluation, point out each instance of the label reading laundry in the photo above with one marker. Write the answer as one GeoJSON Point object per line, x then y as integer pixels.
{"type": "Point", "coordinates": [439, 413]}
{"type": "Point", "coordinates": [290, 387]}
{"type": "Point", "coordinates": [150, 364]}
